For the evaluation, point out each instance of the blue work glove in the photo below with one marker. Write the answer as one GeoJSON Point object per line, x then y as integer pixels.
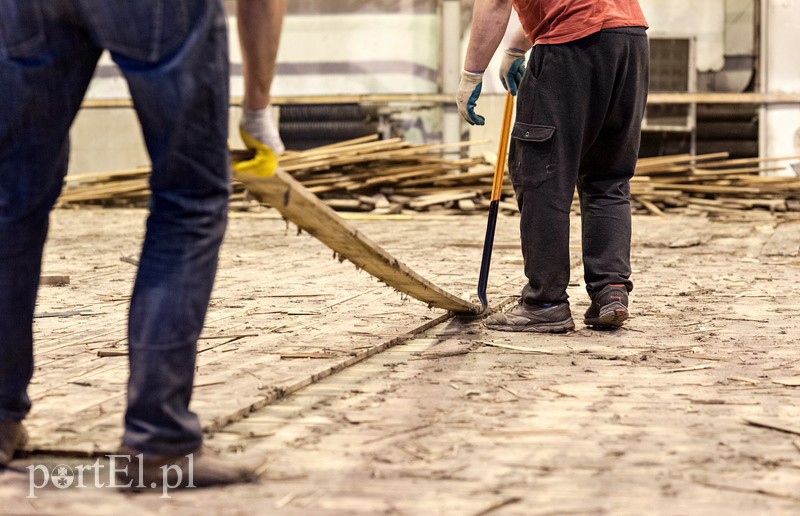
{"type": "Point", "coordinates": [467, 96]}
{"type": "Point", "coordinates": [512, 68]}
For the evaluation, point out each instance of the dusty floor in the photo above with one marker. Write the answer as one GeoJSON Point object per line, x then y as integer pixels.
{"type": "Point", "coordinates": [420, 414]}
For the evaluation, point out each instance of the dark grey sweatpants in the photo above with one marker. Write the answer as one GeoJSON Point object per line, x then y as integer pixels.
{"type": "Point", "coordinates": [579, 115]}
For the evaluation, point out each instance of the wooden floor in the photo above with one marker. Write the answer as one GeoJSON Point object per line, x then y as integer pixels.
{"type": "Point", "coordinates": [413, 412]}
{"type": "Point", "coordinates": [283, 311]}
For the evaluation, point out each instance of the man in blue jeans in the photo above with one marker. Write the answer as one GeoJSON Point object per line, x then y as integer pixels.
{"type": "Point", "coordinates": [173, 54]}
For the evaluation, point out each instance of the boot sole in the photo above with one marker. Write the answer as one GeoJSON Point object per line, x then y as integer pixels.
{"type": "Point", "coordinates": [556, 327]}
{"type": "Point", "coordinates": [21, 442]}
{"type": "Point", "coordinates": [613, 315]}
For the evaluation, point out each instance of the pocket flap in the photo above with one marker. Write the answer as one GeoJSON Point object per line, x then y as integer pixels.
{"type": "Point", "coordinates": [532, 133]}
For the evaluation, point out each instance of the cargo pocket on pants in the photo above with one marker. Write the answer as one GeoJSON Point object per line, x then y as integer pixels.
{"type": "Point", "coordinates": [530, 156]}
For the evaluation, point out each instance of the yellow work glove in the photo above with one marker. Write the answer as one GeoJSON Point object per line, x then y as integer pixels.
{"type": "Point", "coordinates": [263, 164]}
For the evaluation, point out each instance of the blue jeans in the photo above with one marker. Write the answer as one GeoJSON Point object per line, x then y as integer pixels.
{"type": "Point", "coordinates": [174, 56]}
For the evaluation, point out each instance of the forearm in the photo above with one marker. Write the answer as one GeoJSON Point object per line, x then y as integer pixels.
{"type": "Point", "coordinates": [260, 23]}
{"type": "Point", "coordinates": [519, 41]}
{"type": "Point", "coordinates": [489, 23]}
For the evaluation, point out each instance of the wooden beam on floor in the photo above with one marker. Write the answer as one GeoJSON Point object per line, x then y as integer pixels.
{"type": "Point", "coordinates": [300, 206]}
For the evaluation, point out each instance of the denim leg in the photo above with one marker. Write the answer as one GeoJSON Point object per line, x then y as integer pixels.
{"type": "Point", "coordinates": [42, 81]}
{"type": "Point", "coordinates": [180, 91]}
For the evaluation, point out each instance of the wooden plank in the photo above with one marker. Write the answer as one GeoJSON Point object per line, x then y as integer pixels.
{"type": "Point", "coordinates": [657, 165]}
{"type": "Point", "coordinates": [105, 190]}
{"type": "Point", "coordinates": [707, 188]}
{"type": "Point", "coordinates": [439, 98]}
{"type": "Point", "coordinates": [300, 206]}
{"type": "Point", "coordinates": [430, 200]}
{"type": "Point", "coordinates": [748, 161]}
{"type": "Point", "coordinates": [452, 177]}
{"type": "Point", "coordinates": [424, 98]}
{"type": "Point", "coordinates": [106, 176]}
{"type": "Point", "coordinates": [722, 98]}
{"type": "Point", "coordinates": [426, 170]}
{"type": "Point", "coordinates": [649, 206]}
{"type": "Point", "coordinates": [350, 143]}
{"type": "Point", "coordinates": [664, 160]}
{"type": "Point", "coordinates": [711, 173]}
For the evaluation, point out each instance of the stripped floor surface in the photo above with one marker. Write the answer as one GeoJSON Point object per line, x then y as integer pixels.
{"type": "Point", "coordinates": [366, 402]}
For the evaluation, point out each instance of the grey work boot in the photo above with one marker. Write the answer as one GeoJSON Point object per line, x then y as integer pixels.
{"type": "Point", "coordinates": [203, 468]}
{"type": "Point", "coordinates": [609, 308]}
{"type": "Point", "coordinates": [12, 437]}
{"type": "Point", "coordinates": [555, 318]}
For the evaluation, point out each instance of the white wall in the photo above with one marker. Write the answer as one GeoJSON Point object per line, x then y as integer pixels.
{"type": "Point", "coordinates": [739, 27]}
{"type": "Point", "coordinates": [781, 74]}
{"type": "Point", "coordinates": [380, 53]}
{"type": "Point", "coordinates": [704, 19]}
{"type": "Point", "coordinates": [332, 54]}
{"type": "Point", "coordinates": [377, 53]}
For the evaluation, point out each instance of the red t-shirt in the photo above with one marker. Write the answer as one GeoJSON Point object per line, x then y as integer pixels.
{"type": "Point", "coordinates": [561, 21]}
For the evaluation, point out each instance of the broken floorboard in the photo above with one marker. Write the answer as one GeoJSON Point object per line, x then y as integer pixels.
{"type": "Point", "coordinates": [303, 208]}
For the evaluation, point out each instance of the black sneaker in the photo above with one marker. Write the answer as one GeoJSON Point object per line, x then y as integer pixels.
{"type": "Point", "coordinates": [609, 308]}
{"type": "Point", "coordinates": [555, 318]}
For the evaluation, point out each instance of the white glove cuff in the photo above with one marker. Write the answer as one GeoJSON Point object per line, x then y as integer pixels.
{"type": "Point", "coordinates": [259, 124]}
{"type": "Point", "coordinates": [515, 52]}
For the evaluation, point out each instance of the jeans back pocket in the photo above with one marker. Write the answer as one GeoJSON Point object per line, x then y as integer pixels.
{"type": "Point", "coordinates": [21, 28]}
{"type": "Point", "coordinates": [530, 155]}
{"type": "Point", "coordinates": [143, 30]}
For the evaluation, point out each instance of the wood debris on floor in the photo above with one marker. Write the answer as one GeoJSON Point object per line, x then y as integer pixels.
{"type": "Point", "coordinates": [394, 176]}
{"type": "Point", "coordinates": [713, 183]}
{"type": "Point", "coordinates": [365, 174]}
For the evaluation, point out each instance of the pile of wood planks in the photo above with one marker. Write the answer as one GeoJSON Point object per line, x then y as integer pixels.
{"type": "Point", "coordinates": [121, 187]}
{"type": "Point", "coordinates": [711, 182]}
{"type": "Point", "coordinates": [389, 176]}
{"type": "Point", "coordinates": [394, 176]}
{"type": "Point", "coordinates": [365, 174]}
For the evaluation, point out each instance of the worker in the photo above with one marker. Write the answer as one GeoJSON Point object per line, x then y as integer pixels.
{"type": "Point", "coordinates": [260, 23]}
{"type": "Point", "coordinates": [174, 56]}
{"type": "Point", "coordinates": [580, 103]}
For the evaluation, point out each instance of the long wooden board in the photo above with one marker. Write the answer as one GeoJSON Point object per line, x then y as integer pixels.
{"type": "Point", "coordinates": [442, 98]}
{"type": "Point", "coordinates": [300, 206]}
